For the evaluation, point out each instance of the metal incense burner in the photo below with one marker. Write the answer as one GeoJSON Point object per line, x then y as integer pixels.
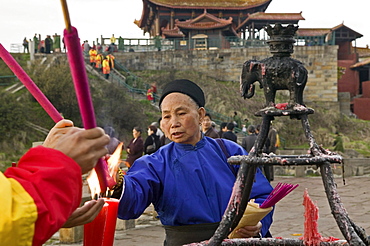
{"type": "Point", "coordinates": [281, 72]}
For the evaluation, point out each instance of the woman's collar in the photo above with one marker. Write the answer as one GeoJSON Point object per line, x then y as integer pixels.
{"type": "Point", "coordinates": [198, 145]}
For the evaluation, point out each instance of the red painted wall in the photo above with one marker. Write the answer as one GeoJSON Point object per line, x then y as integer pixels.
{"type": "Point", "coordinates": [366, 89]}
{"type": "Point", "coordinates": [361, 108]}
{"type": "Point", "coordinates": [349, 82]}
{"type": "Point", "coordinates": [344, 50]}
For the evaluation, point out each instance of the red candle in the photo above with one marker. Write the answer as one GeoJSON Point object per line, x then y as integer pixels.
{"type": "Point", "coordinates": [94, 231]}
{"type": "Point", "coordinates": [30, 85]}
{"type": "Point", "coordinates": [110, 223]}
{"type": "Point", "coordinates": [100, 232]}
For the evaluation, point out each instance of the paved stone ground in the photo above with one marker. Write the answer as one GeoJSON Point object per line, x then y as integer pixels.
{"type": "Point", "coordinates": [288, 218]}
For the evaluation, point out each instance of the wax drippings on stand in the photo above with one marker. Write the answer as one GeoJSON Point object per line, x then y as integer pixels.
{"type": "Point", "coordinates": [311, 236]}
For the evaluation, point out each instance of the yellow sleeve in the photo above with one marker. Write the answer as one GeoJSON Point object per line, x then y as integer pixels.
{"type": "Point", "coordinates": [18, 213]}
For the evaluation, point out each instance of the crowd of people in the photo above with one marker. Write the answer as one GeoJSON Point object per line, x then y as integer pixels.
{"type": "Point", "coordinates": [48, 45]}
{"type": "Point", "coordinates": [101, 61]}
{"type": "Point", "coordinates": [54, 43]}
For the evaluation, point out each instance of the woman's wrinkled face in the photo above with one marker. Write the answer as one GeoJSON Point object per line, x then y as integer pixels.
{"type": "Point", "coordinates": [181, 118]}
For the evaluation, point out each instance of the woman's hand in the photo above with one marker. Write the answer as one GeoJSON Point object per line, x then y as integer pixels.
{"type": "Point", "coordinates": [250, 231]}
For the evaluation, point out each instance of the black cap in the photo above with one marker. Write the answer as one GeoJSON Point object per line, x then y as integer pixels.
{"type": "Point", "coordinates": [186, 87]}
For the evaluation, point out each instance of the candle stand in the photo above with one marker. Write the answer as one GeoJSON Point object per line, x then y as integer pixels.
{"type": "Point", "coordinates": [276, 73]}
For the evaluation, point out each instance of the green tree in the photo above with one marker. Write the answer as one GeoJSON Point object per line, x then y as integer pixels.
{"type": "Point", "coordinates": [56, 83]}
{"type": "Point", "coordinates": [12, 116]}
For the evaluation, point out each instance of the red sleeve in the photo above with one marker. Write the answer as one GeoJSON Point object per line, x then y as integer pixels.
{"type": "Point", "coordinates": [54, 182]}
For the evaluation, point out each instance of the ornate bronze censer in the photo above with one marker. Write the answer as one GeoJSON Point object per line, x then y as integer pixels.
{"type": "Point", "coordinates": [277, 73]}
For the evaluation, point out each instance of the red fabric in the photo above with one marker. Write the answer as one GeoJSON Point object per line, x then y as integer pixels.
{"type": "Point", "coordinates": [54, 182]}
{"type": "Point", "coordinates": [281, 106]}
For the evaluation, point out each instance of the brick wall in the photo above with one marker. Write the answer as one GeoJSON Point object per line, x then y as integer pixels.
{"type": "Point", "coordinates": [226, 64]}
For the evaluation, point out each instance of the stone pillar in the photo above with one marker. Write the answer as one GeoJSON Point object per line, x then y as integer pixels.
{"type": "Point", "coordinates": [299, 171]}
{"type": "Point", "coordinates": [31, 48]}
{"type": "Point", "coordinates": [125, 224]}
{"type": "Point", "coordinates": [71, 235]}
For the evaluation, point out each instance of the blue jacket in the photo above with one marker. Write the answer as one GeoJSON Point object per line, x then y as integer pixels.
{"type": "Point", "coordinates": [187, 184]}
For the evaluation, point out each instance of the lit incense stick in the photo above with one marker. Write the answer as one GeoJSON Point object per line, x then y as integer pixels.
{"type": "Point", "coordinates": [79, 75]}
{"type": "Point", "coordinates": [30, 85]}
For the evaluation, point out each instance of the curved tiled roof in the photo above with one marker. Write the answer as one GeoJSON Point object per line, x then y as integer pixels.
{"type": "Point", "coordinates": [276, 16]}
{"type": "Point", "coordinates": [363, 52]}
{"type": "Point", "coordinates": [205, 21]}
{"type": "Point", "coordinates": [324, 31]}
{"type": "Point", "coordinates": [354, 33]}
{"type": "Point", "coordinates": [221, 4]}
{"type": "Point", "coordinates": [311, 32]}
{"type": "Point", "coordinates": [263, 18]}
{"type": "Point", "coordinates": [360, 64]}
{"type": "Point", "coordinates": [197, 23]}
{"type": "Point", "coordinates": [174, 33]}
{"type": "Point", "coordinates": [202, 25]}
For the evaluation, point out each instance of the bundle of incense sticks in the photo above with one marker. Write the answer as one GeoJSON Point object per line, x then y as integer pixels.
{"type": "Point", "coordinates": [278, 193]}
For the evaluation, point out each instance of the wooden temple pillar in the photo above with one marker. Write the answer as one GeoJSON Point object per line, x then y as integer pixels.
{"type": "Point", "coordinates": [172, 21]}
{"type": "Point", "coordinates": [157, 27]}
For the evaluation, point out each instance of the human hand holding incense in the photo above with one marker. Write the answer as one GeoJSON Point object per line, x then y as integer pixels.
{"type": "Point", "coordinates": [250, 225]}
{"type": "Point", "coordinates": [86, 147]}
{"type": "Point", "coordinates": [255, 212]}
{"type": "Point", "coordinates": [249, 231]}
{"type": "Point", "coordinates": [56, 132]}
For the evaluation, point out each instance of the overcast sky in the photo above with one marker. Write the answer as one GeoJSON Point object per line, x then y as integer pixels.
{"type": "Point", "coordinates": [92, 18]}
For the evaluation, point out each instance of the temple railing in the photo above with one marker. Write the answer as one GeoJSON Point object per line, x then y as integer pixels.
{"type": "Point", "coordinates": [210, 43]}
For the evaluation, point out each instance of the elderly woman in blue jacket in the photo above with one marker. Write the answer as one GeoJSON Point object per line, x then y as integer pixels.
{"type": "Point", "coordinates": [188, 181]}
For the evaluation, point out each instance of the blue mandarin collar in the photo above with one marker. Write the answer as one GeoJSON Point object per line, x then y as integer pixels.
{"type": "Point", "coordinates": [188, 147]}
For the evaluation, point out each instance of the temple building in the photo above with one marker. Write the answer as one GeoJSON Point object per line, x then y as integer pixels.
{"type": "Point", "coordinates": [208, 24]}
{"type": "Point", "coordinates": [215, 24]}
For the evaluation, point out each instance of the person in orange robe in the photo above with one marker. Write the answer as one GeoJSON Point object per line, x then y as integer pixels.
{"type": "Point", "coordinates": [93, 53]}
{"type": "Point", "coordinates": [39, 194]}
{"type": "Point", "coordinates": [106, 68]}
{"type": "Point", "coordinates": [98, 61]}
{"type": "Point", "coordinates": [111, 58]}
